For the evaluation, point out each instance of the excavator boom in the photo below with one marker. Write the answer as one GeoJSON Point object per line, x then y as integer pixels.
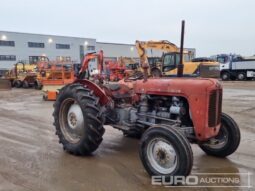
{"type": "Point", "coordinates": [163, 45]}
{"type": "Point", "coordinates": [85, 64]}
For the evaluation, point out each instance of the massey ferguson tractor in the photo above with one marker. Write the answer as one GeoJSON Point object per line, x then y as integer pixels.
{"type": "Point", "coordinates": [168, 114]}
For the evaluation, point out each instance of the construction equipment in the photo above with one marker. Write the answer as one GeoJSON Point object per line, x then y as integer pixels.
{"type": "Point", "coordinates": [235, 67]}
{"type": "Point", "coordinates": [22, 75]}
{"type": "Point", "coordinates": [99, 56]}
{"type": "Point", "coordinates": [123, 67]}
{"type": "Point", "coordinates": [171, 58]}
{"type": "Point", "coordinates": [166, 112]}
{"type": "Point", "coordinates": [43, 71]}
{"type": "Point", "coordinates": [60, 74]}
{"type": "Point", "coordinates": [127, 62]}
{"type": "Point", "coordinates": [132, 67]}
{"type": "Point", "coordinates": [55, 77]}
{"type": "Point", "coordinates": [114, 70]}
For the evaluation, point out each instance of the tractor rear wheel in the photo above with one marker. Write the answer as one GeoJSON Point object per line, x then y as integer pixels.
{"type": "Point", "coordinates": [227, 140]}
{"type": "Point", "coordinates": [164, 151]}
{"type": "Point", "coordinates": [78, 120]}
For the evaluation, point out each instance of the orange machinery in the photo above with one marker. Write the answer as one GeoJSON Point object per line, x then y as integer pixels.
{"type": "Point", "coordinates": [118, 70]}
{"type": "Point", "coordinates": [115, 70]}
{"type": "Point", "coordinates": [61, 74]}
{"type": "Point", "coordinates": [53, 77]}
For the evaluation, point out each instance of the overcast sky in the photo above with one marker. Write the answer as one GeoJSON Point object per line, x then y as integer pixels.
{"type": "Point", "coordinates": [212, 26]}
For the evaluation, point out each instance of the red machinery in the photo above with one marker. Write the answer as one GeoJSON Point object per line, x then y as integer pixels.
{"type": "Point", "coordinates": [85, 64]}
{"type": "Point", "coordinates": [115, 70]}
{"type": "Point", "coordinates": [167, 112]}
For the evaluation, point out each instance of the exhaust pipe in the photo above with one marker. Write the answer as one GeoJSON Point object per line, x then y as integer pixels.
{"type": "Point", "coordinates": [180, 65]}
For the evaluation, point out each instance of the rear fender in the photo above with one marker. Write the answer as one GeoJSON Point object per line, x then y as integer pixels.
{"type": "Point", "coordinates": [99, 92]}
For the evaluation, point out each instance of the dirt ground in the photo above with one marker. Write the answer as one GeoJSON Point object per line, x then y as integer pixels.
{"type": "Point", "coordinates": [32, 159]}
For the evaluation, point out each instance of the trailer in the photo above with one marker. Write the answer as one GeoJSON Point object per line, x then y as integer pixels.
{"type": "Point", "coordinates": [236, 67]}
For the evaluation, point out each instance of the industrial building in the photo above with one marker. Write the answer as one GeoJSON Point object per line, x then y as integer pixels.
{"type": "Point", "coordinates": [16, 46]}
{"type": "Point", "coordinates": [29, 47]}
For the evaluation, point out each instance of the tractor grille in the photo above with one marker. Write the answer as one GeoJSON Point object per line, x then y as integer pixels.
{"type": "Point", "coordinates": [214, 109]}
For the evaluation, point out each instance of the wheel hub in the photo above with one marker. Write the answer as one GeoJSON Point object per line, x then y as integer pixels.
{"type": "Point", "coordinates": [75, 117]}
{"type": "Point", "coordinates": [162, 156]}
{"type": "Point", "coordinates": [220, 140]}
{"type": "Point", "coordinates": [72, 119]}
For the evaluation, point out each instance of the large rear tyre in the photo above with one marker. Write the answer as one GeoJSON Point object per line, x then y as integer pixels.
{"type": "Point", "coordinates": [227, 140]}
{"type": "Point", "coordinates": [164, 151]}
{"type": "Point", "coordinates": [78, 120]}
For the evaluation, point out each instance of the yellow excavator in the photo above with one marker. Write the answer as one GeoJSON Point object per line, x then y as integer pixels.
{"type": "Point", "coordinates": [171, 58]}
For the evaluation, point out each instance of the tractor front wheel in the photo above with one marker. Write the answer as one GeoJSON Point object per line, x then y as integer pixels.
{"type": "Point", "coordinates": [164, 151]}
{"type": "Point", "coordinates": [227, 140]}
{"type": "Point", "coordinates": [78, 120]}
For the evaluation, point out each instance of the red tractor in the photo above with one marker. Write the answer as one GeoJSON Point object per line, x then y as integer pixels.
{"type": "Point", "coordinates": [168, 114]}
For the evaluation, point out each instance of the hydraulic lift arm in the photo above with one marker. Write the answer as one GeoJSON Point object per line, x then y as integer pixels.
{"type": "Point", "coordinates": [163, 45]}
{"type": "Point", "coordinates": [100, 59]}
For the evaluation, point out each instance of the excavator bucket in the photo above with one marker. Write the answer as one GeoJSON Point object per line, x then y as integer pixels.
{"type": "Point", "coordinates": [5, 84]}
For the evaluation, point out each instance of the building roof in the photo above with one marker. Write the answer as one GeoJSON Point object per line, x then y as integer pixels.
{"type": "Point", "coordinates": [45, 35]}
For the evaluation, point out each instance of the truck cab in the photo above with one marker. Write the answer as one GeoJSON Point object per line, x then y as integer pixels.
{"type": "Point", "coordinates": [224, 61]}
{"type": "Point", "coordinates": [234, 67]}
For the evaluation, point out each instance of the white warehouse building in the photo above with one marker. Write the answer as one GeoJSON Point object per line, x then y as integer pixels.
{"type": "Point", "coordinates": [16, 46]}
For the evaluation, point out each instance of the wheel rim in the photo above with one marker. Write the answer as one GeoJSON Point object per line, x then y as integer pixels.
{"type": "Point", "coordinates": [225, 76]}
{"type": "Point", "coordinates": [241, 76]}
{"type": "Point", "coordinates": [71, 121]}
{"type": "Point", "coordinates": [220, 140]}
{"type": "Point", "coordinates": [162, 156]}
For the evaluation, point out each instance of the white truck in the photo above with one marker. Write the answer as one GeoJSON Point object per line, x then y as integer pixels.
{"type": "Point", "coordinates": [235, 67]}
